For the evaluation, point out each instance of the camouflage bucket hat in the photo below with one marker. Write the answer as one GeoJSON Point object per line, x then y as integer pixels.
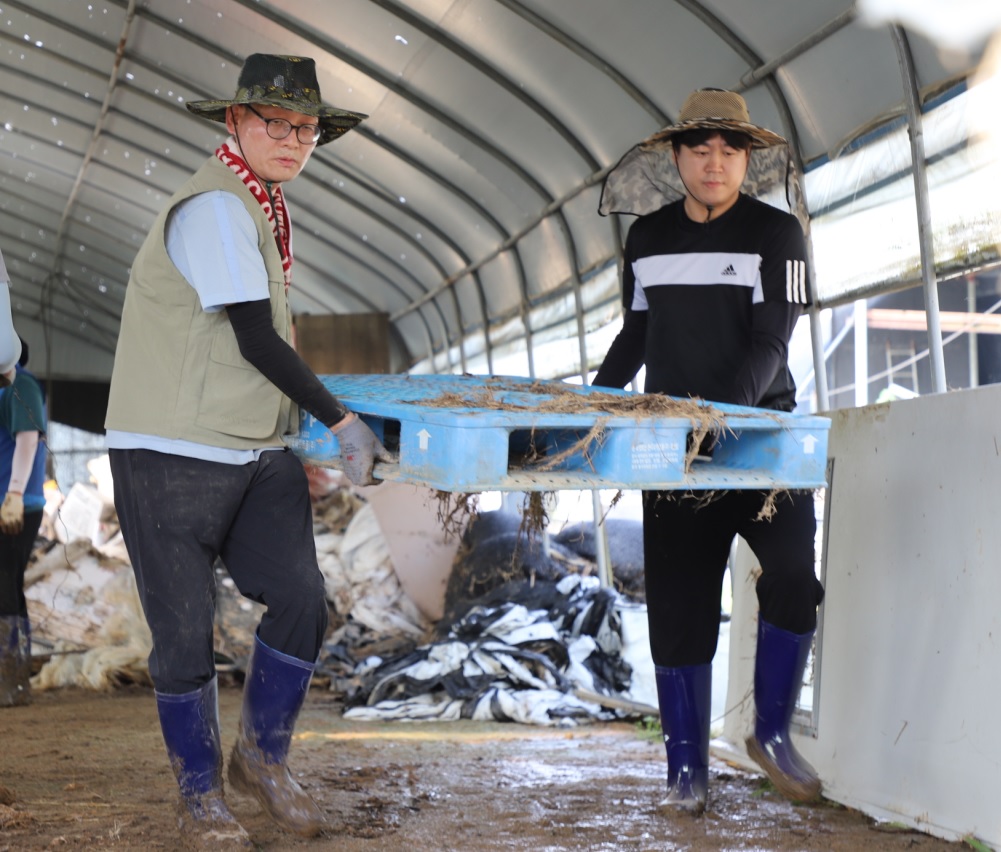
{"type": "Point", "coordinates": [717, 109]}
{"type": "Point", "coordinates": [288, 82]}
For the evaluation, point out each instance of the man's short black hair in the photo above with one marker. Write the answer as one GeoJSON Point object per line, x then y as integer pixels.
{"type": "Point", "coordinates": [701, 135]}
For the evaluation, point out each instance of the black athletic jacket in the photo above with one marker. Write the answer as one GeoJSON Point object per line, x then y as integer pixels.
{"type": "Point", "coordinates": [710, 307]}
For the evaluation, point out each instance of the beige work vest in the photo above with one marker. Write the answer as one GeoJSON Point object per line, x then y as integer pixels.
{"type": "Point", "coordinates": [178, 371]}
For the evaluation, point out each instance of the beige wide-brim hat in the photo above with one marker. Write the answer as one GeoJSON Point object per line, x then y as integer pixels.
{"type": "Point", "coordinates": [288, 82]}
{"type": "Point", "coordinates": [647, 178]}
{"type": "Point", "coordinates": [717, 109]}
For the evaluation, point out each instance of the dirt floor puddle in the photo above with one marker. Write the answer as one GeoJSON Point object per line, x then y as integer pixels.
{"type": "Point", "coordinates": [87, 771]}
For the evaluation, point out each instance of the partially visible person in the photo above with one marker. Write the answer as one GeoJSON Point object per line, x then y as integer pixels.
{"type": "Point", "coordinates": [713, 285]}
{"type": "Point", "coordinates": [205, 386]}
{"type": "Point", "coordinates": [10, 343]}
{"type": "Point", "coordinates": [22, 470]}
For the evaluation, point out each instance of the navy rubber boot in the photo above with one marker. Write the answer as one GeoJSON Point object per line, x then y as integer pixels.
{"type": "Point", "coordinates": [778, 676]}
{"type": "Point", "coordinates": [190, 726]}
{"type": "Point", "coordinates": [685, 697]}
{"type": "Point", "coordinates": [15, 662]}
{"type": "Point", "coordinates": [273, 695]}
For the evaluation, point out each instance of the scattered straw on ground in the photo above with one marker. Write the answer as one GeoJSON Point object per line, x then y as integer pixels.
{"type": "Point", "coordinates": [11, 818]}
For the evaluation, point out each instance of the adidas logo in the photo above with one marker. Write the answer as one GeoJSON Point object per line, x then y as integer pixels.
{"type": "Point", "coordinates": [729, 270]}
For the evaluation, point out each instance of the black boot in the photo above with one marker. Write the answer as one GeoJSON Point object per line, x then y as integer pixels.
{"type": "Point", "coordinates": [273, 695]}
{"type": "Point", "coordinates": [15, 661]}
{"type": "Point", "coordinates": [190, 725]}
{"type": "Point", "coordinates": [24, 660]}
{"type": "Point", "coordinates": [685, 695]}
{"type": "Point", "coordinates": [778, 676]}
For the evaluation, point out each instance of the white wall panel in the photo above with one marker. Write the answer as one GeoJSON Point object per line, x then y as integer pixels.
{"type": "Point", "coordinates": [910, 647]}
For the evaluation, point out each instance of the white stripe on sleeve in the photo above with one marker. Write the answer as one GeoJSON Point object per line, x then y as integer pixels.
{"type": "Point", "coordinates": [796, 281]}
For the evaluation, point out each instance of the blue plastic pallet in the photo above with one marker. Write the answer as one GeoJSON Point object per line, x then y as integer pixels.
{"type": "Point", "coordinates": [468, 448]}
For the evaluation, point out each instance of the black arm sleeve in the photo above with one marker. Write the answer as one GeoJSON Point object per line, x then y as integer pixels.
{"type": "Point", "coordinates": [626, 354]}
{"type": "Point", "coordinates": [764, 379]}
{"type": "Point", "coordinates": [260, 344]}
{"type": "Point", "coordinates": [772, 326]}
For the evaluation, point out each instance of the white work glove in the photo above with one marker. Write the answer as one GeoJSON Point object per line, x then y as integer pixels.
{"type": "Point", "coordinates": [12, 513]}
{"type": "Point", "coordinates": [360, 450]}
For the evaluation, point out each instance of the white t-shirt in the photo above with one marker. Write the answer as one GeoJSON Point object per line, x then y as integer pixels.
{"type": "Point", "coordinates": [213, 243]}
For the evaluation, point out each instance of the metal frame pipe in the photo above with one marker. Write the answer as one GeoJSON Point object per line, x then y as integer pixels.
{"type": "Point", "coordinates": [921, 197]}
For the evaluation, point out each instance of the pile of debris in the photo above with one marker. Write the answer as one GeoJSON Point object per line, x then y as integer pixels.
{"type": "Point", "coordinates": [545, 653]}
{"type": "Point", "coordinates": [522, 630]}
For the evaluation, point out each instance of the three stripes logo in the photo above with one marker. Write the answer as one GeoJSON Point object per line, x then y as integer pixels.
{"type": "Point", "coordinates": [729, 271]}
{"type": "Point", "coordinates": [796, 282]}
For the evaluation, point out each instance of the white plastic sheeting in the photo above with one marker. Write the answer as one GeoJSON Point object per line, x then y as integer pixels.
{"type": "Point", "coordinates": [511, 663]}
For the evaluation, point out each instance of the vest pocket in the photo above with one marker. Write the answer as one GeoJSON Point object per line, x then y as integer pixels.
{"type": "Point", "coordinates": [236, 398]}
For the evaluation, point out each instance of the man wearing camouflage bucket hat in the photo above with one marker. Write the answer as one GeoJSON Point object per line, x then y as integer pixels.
{"type": "Point", "coordinates": [713, 284]}
{"type": "Point", "coordinates": [204, 387]}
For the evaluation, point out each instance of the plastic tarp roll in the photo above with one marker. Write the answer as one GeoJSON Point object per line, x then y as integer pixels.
{"type": "Point", "coordinates": [516, 662]}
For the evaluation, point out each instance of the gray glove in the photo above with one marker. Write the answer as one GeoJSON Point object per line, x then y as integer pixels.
{"type": "Point", "coordinates": [360, 450]}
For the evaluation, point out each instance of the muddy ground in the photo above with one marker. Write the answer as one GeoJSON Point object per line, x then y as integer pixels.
{"type": "Point", "coordinates": [85, 770]}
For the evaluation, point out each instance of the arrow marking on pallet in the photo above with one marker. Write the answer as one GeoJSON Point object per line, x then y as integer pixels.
{"type": "Point", "coordinates": [809, 444]}
{"type": "Point", "coordinates": [424, 435]}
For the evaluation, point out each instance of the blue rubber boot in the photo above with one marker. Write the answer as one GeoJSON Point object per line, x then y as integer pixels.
{"type": "Point", "coordinates": [685, 696]}
{"type": "Point", "coordinates": [273, 695]}
{"type": "Point", "coordinates": [190, 726]}
{"type": "Point", "coordinates": [778, 676]}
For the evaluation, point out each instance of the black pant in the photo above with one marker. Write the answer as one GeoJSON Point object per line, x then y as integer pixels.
{"type": "Point", "coordinates": [686, 543]}
{"type": "Point", "coordinates": [179, 514]}
{"type": "Point", "coordinates": [15, 551]}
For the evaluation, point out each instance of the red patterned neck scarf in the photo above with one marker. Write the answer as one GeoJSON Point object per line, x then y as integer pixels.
{"type": "Point", "coordinates": [273, 203]}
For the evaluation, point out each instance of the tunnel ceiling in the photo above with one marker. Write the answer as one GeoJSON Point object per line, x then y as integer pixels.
{"type": "Point", "coordinates": [469, 195]}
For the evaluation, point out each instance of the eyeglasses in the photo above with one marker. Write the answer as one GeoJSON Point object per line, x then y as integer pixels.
{"type": "Point", "coordinates": [279, 128]}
